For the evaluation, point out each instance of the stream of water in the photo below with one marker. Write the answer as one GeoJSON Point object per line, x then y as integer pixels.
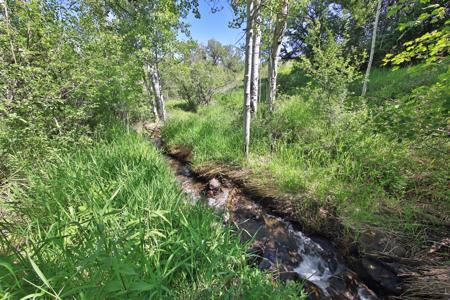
{"type": "Point", "coordinates": [277, 246]}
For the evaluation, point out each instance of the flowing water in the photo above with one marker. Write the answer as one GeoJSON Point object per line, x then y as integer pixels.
{"type": "Point", "coordinates": [277, 246]}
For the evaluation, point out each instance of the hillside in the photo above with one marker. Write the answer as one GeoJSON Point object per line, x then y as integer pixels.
{"type": "Point", "coordinates": [373, 178]}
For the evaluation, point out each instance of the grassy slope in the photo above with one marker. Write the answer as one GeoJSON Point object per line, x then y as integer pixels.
{"type": "Point", "coordinates": [108, 221]}
{"type": "Point", "coordinates": [366, 176]}
{"type": "Point", "coordinates": [391, 84]}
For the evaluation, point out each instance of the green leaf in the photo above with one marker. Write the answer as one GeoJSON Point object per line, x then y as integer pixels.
{"type": "Point", "coordinates": [124, 269]}
{"type": "Point", "coordinates": [113, 286]}
{"type": "Point", "coordinates": [142, 286]}
{"type": "Point", "coordinates": [39, 273]}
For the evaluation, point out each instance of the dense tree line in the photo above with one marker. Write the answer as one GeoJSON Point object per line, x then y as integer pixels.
{"type": "Point", "coordinates": [332, 39]}
{"type": "Point", "coordinates": [66, 66]}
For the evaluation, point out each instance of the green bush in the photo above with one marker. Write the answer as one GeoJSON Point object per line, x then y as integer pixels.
{"type": "Point", "coordinates": [60, 77]}
{"type": "Point", "coordinates": [199, 82]}
{"type": "Point", "coordinates": [331, 68]}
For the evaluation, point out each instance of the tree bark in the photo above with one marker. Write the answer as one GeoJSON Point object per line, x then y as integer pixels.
{"type": "Point", "coordinates": [247, 76]}
{"type": "Point", "coordinates": [8, 26]}
{"type": "Point", "coordinates": [277, 39]}
{"type": "Point", "coordinates": [153, 72]}
{"type": "Point", "coordinates": [151, 98]}
{"type": "Point", "coordinates": [255, 56]}
{"type": "Point", "coordinates": [372, 49]}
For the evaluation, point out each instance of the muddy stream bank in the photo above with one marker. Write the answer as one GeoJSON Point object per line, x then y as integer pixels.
{"type": "Point", "coordinates": [277, 245]}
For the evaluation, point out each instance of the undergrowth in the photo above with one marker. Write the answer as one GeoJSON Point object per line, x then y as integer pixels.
{"type": "Point", "coordinates": [368, 172]}
{"type": "Point", "coordinates": [107, 221]}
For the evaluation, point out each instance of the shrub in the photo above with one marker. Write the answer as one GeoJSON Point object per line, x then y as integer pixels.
{"type": "Point", "coordinates": [55, 84]}
{"type": "Point", "coordinates": [331, 68]}
{"type": "Point", "coordinates": [199, 82]}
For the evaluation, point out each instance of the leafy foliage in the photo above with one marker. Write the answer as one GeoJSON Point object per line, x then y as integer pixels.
{"type": "Point", "coordinates": [415, 22]}
{"type": "Point", "coordinates": [200, 81]}
{"type": "Point", "coordinates": [202, 72]}
{"type": "Point", "coordinates": [335, 18]}
{"type": "Point", "coordinates": [56, 85]}
{"type": "Point", "coordinates": [331, 69]}
{"type": "Point", "coordinates": [430, 46]}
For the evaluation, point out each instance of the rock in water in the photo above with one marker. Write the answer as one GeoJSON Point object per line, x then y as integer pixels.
{"type": "Point", "coordinates": [214, 184]}
{"type": "Point", "coordinates": [212, 188]}
{"type": "Point", "coordinates": [382, 276]}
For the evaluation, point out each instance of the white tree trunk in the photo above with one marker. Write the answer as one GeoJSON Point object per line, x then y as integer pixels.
{"type": "Point", "coordinates": [269, 56]}
{"type": "Point", "coordinates": [152, 70]}
{"type": "Point", "coordinates": [8, 29]}
{"type": "Point", "coordinates": [151, 98]}
{"type": "Point", "coordinates": [277, 39]}
{"type": "Point", "coordinates": [247, 76]}
{"type": "Point", "coordinates": [372, 49]}
{"type": "Point", "coordinates": [255, 56]}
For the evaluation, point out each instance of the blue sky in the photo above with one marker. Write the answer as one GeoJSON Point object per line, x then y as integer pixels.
{"type": "Point", "coordinates": [214, 25]}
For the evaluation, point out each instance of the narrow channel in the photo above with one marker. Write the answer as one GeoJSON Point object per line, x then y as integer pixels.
{"type": "Point", "coordinates": [277, 247]}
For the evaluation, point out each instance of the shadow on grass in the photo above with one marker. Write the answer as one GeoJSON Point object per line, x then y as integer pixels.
{"type": "Point", "coordinates": [186, 106]}
{"type": "Point", "coordinates": [290, 83]}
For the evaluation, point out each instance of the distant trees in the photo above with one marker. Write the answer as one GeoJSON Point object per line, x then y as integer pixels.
{"type": "Point", "coordinates": [198, 71]}
{"type": "Point", "coordinates": [228, 56]}
{"type": "Point", "coordinates": [215, 51]}
{"type": "Point", "coordinates": [233, 58]}
{"type": "Point", "coordinates": [199, 82]}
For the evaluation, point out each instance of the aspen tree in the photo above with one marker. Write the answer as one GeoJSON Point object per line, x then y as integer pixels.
{"type": "Point", "coordinates": [277, 38]}
{"type": "Point", "coordinates": [372, 48]}
{"type": "Point", "coordinates": [257, 20]}
{"type": "Point", "coordinates": [248, 75]}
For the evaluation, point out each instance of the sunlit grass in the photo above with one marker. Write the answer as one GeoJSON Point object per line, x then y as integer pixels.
{"type": "Point", "coordinates": [109, 222]}
{"type": "Point", "coordinates": [367, 176]}
{"type": "Point", "coordinates": [386, 83]}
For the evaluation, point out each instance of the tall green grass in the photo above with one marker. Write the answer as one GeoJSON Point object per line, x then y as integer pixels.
{"type": "Point", "coordinates": [387, 83]}
{"type": "Point", "coordinates": [109, 222]}
{"type": "Point", "coordinates": [366, 173]}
